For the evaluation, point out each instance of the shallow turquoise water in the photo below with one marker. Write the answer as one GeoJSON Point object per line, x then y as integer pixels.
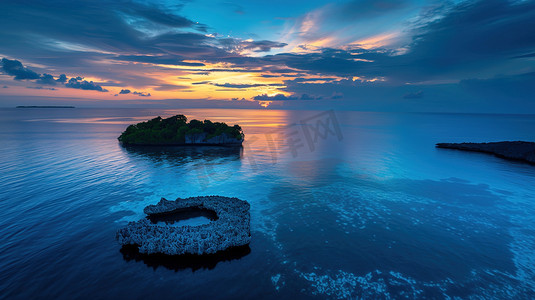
{"type": "Point", "coordinates": [343, 204]}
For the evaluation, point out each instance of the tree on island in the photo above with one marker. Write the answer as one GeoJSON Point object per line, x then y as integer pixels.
{"type": "Point", "coordinates": [176, 130]}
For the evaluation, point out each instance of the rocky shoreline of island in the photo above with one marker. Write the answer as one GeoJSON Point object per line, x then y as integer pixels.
{"type": "Point", "coordinates": [44, 106]}
{"type": "Point", "coordinates": [512, 150]}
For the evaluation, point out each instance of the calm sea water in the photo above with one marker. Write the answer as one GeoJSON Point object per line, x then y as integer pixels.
{"type": "Point", "coordinates": [343, 205]}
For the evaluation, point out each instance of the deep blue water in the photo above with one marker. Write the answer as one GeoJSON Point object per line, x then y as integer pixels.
{"type": "Point", "coordinates": [343, 205]}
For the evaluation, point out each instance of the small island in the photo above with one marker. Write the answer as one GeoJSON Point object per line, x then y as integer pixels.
{"type": "Point", "coordinates": [518, 150]}
{"type": "Point", "coordinates": [44, 106]}
{"type": "Point", "coordinates": [177, 131]}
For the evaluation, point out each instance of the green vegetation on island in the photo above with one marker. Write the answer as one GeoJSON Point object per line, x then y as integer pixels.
{"type": "Point", "coordinates": [176, 131]}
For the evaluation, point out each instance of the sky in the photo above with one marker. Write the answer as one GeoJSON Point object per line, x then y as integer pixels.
{"type": "Point", "coordinates": [473, 56]}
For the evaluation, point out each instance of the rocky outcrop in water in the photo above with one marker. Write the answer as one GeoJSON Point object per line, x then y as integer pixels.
{"type": "Point", "coordinates": [230, 229]}
{"type": "Point", "coordinates": [521, 151]}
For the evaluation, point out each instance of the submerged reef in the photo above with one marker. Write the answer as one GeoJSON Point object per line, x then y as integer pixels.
{"type": "Point", "coordinates": [177, 131]}
{"type": "Point", "coordinates": [229, 227]}
{"type": "Point", "coordinates": [521, 151]}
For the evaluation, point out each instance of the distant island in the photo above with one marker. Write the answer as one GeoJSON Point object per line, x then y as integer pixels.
{"type": "Point", "coordinates": [177, 131]}
{"type": "Point", "coordinates": [44, 106]}
{"type": "Point", "coordinates": [521, 151]}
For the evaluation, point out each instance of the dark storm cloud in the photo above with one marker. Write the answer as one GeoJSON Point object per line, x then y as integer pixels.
{"type": "Point", "coordinates": [16, 69]}
{"type": "Point", "coordinates": [124, 91]}
{"type": "Point", "coordinates": [80, 83]}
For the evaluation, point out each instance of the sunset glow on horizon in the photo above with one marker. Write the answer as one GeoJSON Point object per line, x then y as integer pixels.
{"type": "Point", "coordinates": [378, 55]}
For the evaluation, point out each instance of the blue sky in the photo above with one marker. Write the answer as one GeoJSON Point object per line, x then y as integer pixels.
{"type": "Point", "coordinates": [399, 55]}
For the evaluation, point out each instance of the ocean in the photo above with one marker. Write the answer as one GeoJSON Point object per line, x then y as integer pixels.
{"type": "Point", "coordinates": [344, 204]}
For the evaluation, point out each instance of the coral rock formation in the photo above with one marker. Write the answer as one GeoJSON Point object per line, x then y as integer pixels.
{"type": "Point", "coordinates": [230, 229]}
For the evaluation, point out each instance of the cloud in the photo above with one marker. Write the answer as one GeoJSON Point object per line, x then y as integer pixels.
{"type": "Point", "coordinates": [41, 88]}
{"type": "Point", "coordinates": [79, 83]}
{"type": "Point", "coordinates": [141, 94]}
{"type": "Point", "coordinates": [414, 95]}
{"type": "Point", "coordinates": [159, 59]}
{"type": "Point", "coordinates": [5, 87]}
{"type": "Point", "coordinates": [46, 79]}
{"type": "Point", "coordinates": [127, 91]}
{"type": "Point", "coordinates": [244, 85]}
{"type": "Point", "coordinates": [62, 78]}
{"type": "Point", "coordinates": [134, 44]}
{"type": "Point", "coordinates": [201, 82]}
{"type": "Point", "coordinates": [158, 16]}
{"type": "Point", "coordinates": [239, 45]}
{"type": "Point", "coordinates": [113, 31]}
{"type": "Point", "coordinates": [337, 95]}
{"type": "Point", "coordinates": [16, 69]}
{"type": "Point", "coordinates": [282, 97]}
{"type": "Point", "coordinates": [261, 46]}
{"type": "Point", "coordinates": [171, 87]}
{"type": "Point", "coordinates": [277, 97]}
{"type": "Point", "coordinates": [450, 42]}
{"type": "Point", "coordinates": [301, 79]}
{"type": "Point", "coordinates": [462, 40]}
{"type": "Point", "coordinates": [525, 55]}
{"type": "Point", "coordinates": [309, 97]}
{"type": "Point", "coordinates": [237, 85]}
